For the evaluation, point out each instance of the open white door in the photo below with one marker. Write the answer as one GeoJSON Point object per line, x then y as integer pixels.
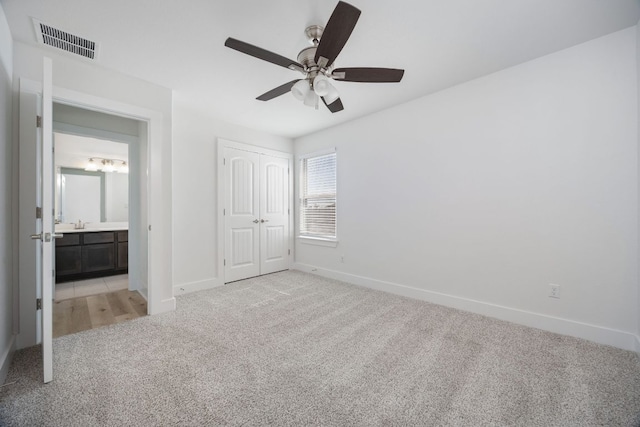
{"type": "Point", "coordinates": [44, 170]}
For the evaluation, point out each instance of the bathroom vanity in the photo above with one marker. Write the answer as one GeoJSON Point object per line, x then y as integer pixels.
{"type": "Point", "coordinates": [89, 253]}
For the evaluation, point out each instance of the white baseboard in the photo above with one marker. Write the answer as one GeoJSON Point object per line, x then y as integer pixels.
{"type": "Point", "coordinates": [142, 292]}
{"type": "Point", "coordinates": [7, 357]}
{"type": "Point", "coordinates": [164, 306]}
{"type": "Point", "coordinates": [598, 334]}
{"type": "Point", "coordinates": [200, 285]}
{"type": "Point", "coordinates": [137, 284]}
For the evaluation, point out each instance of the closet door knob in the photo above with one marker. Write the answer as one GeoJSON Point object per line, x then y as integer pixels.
{"type": "Point", "coordinates": [264, 220]}
{"type": "Point", "coordinates": [256, 221]}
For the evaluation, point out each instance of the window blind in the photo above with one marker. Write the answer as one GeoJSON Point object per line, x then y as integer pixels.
{"type": "Point", "coordinates": [318, 196]}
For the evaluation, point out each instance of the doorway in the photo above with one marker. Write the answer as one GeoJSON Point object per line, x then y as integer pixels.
{"type": "Point", "coordinates": [35, 125]}
{"type": "Point", "coordinates": [83, 122]}
{"type": "Point", "coordinates": [92, 286]}
{"type": "Point", "coordinates": [257, 205]}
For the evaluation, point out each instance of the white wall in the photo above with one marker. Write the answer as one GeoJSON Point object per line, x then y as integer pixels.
{"type": "Point", "coordinates": [482, 195]}
{"type": "Point", "coordinates": [6, 173]}
{"type": "Point", "coordinates": [638, 73]}
{"type": "Point", "coordinates": [138, 213]}
{"type": "Point", "coordinates": [195, 191]}
{"type": "Point", "coordinates": [117, 197]}
{"type": "Point", "coordinates": [132, 94]}
{"type": "Point", "coordinates": [70, 115]}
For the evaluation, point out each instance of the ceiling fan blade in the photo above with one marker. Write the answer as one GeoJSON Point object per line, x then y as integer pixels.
{"type": "Point", "coordinates": [336, 33]}
{"type": "Point", "coordinates": [368, 75]}
{"type": "Point", "coordinates": [263, 54]}
{"type": "Point", "coordinates": [335, 106]}
{"type": "Point", "coordinates": [280, 90]}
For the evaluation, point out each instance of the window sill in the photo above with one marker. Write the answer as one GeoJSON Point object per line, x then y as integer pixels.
{"type": "Point", "coordinates": [318, 241]}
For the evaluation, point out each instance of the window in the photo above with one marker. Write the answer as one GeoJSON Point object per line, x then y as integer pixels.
{"type": "Point", "coordinates": [318, 196]}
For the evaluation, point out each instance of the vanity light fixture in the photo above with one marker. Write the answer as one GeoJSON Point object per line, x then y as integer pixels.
{"type": "Point", "coordinates": [107, 165]}
{"type": "Point", "coordinates": [91, 166]}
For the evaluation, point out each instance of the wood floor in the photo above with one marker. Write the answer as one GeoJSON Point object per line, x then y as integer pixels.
{"type": "Point", "coordinates": [79, 314]}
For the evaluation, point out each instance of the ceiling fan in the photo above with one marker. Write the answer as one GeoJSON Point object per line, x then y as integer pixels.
{"type": "Point", "coordinates": [317, 62]}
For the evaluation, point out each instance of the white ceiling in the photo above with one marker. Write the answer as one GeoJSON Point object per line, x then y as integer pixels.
{"type": "Point", "coordinates": [180, 45]}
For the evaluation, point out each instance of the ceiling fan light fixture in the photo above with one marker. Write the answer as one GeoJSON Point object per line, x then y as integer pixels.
{"type": "Point", "coordinates": [301, 89]}
{"type": "Point", "coordinates": [331, 95]}
{"type": "Point", "coordinates": [321, 85]}
{"type": "Point", "coordinates": [311, 99]}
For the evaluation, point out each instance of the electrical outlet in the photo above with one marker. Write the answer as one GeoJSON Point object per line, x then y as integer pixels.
{"type": "Point", "coordinates": [554, 291]}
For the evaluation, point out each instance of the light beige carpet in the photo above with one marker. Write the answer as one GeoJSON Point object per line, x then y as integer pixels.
{"type": "Point", "coordinates": [296, 349]}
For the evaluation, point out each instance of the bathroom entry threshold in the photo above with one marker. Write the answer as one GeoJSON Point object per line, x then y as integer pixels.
{"type": "Point", "coordinates": [94, 311]}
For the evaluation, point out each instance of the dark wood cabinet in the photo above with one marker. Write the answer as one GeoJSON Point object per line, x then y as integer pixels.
{"type": "Point", "coordinates": [123, 249]}
{"type": "Point", "coordinates": [68, 260]}
{"type": "Point", "coordinates": [92, 254]}
{"type": "Point", "coordinates": [123, 255]}
{"type": "Point", "coordinates": [98, 237]}
{"type": "Point", "coordinates": [99, 257]}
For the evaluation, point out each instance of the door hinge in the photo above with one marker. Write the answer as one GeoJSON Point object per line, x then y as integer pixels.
{"type": "Point", "coordinates": [39, 304]}
{"type": "Point", "coordinates": [38, 121]}
{"type": "Point", "coordinates": [288, 211]}
{"type": "Point", "coordinates": [289, 251]}
{"type": "Point", "coordinates": [224, 161]}
{"type": "Point", "coordinates": [38, 212]}
{"type": "Point", "coordinates": [224, 262]}
{"type": "Point", "coordinates": [224, 212]}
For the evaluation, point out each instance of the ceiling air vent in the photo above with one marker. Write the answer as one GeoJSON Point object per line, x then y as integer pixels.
{"type": "Point", "coordinates": [54, 37]}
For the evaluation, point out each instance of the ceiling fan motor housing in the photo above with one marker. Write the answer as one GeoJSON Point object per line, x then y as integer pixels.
{"type": "Point", "coordinates": [306, 58]}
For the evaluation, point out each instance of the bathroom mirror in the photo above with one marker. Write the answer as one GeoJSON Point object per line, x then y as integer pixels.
{"type": "Point", "coordinates": [82, 196]}
{"type": "Point", "coordinates": [96, 196]}
{"type": "Point", "coordinates": [91, 196]}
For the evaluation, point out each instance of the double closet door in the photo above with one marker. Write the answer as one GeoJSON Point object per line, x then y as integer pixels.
{"type": "Point", "coordinates": [256, 214]}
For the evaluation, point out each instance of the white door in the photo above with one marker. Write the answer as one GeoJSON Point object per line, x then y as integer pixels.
{"type": "Point", "coordinates": [44, 225]}
{"type": "Point", "coordinates": [242, 216]}
{"type": "Point", "coordinates": [274, 214]}
{"type": "Point", "coordinates": [256, 214]}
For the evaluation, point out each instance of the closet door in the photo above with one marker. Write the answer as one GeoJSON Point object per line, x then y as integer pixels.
{"type": "Point", "coordinates": [274, 214]}
{"type": "Point", "coordinates": [242, 215]}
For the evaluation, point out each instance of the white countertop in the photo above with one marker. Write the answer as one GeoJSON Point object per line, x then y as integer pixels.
{"type": "Point", "coordinates": [89, 227]}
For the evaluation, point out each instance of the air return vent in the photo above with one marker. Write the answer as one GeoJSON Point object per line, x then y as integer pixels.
{"type": "Point", "coordinates": [64, 40]}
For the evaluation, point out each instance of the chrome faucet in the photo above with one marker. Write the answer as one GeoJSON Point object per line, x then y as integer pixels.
{"type": "Point", "coordinates": [79, 225]}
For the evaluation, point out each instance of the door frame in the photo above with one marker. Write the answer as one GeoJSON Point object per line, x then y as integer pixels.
{"type": "Point", "coordinates": [225, 143]}
{"type": "Point", "coordinates": [157, 256]}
